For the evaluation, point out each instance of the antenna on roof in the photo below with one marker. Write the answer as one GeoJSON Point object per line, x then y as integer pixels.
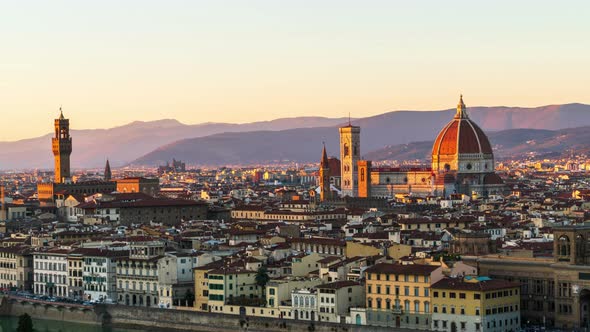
{"type": "Point", "coordinates": [349, 123]}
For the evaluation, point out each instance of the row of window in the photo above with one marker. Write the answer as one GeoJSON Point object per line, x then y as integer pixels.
{"type": "Point", "coordinates": [476, 296]}
{"type": "Point", "coordinates": [138, 272]}
{"type": "Point", "coordinates": [416, 292]}
{"type": "Point", "coordinates": [379, 304]}
{"type": "Point", "coordinates": [398, 277]}
{"type": "Point", "coordinates": [463, 325]}
{"type": "Point", "coordinates": [50, 266]}
{"type": "Point", "coordinates": [301, 301]}
{"type": "Point", "coordinates": [7, 276]}
{"type": "Point", "coordinates": [58, 279]}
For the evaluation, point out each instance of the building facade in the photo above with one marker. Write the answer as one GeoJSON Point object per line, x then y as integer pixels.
{"type": "Point", "coordinates": [51, 272]}
{"type": "Point", "coordinates": [350, 151]}
{"type": "Point", "coordinates": [16, 268]}
{"type": "Point", "coordinates": [137, 274]}
{"type": "Point", "coordinates": [555, 292]}
{"type": "Point", "coordinates": [399, 295]}
{"type": "Point", "coordinates": [99, 274]}
{"type": "Point", "coordinates": [475, 304]}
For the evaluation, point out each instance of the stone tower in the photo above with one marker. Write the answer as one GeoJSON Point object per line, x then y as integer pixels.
{"type": "Point", "coordinates": [350, 146]}
{"type": "Point", "coordinates": [364, 178]}
{"type": "Point", "coordinates": [62, 148]}
{"type": "Point", "coordinates": [325, 191]}
{"type": "Point", "coordinates": [107, 172]}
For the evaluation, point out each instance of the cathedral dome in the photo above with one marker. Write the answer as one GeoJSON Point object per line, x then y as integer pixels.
{"type": "Point", "coordinates": [461, 136]}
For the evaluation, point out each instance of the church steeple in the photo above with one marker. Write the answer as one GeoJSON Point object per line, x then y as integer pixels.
{"type": "Point", "coordinates": [324, 162]}
{"type": "Point", "coordinates": [461, 109]}
{"type": "Point", "coordinates": [107, 172]}
{"type": "Point", "coordinates": [325, 191]}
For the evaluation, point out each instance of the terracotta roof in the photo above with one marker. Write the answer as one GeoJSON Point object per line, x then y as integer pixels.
{"type": "Point", "coordinates": [493, 178]}
{"type": "Point", "coordinates": [461, 135]}
{"type": "Point", "coordinates": [485, 285]}
{"type": "Point", "coordinates": [388, 268]}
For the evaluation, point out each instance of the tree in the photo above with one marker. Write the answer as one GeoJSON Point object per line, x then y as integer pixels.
{"type": "Point", "coordinates": [262, 277]}
{"type": "Point", "coordinates": [25, 323]}
{"type": "Point", "coordinates": [189, 297]}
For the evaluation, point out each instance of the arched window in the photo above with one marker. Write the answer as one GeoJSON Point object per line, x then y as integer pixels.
{"type": "Point", "coordinates": [564, 246]}
{"type": "Point", "coordinates": [296, 300]}
{"type": "Point", "coordinates": [580, 246]}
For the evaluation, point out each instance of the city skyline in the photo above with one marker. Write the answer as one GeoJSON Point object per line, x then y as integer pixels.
{"type": "Point", "coordinates": [233, 62]}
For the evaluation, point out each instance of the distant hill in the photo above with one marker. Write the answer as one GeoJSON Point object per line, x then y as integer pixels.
{"type": "Point", "coordinates": [125, 143]}
{"type": "Point", "coordinates": [304, 145]}
{"type": "Point", "coordinates": [506, 144]}
{"type": "Point", "coordinates": [151, 143]}
{"type": "Point", "coordinates": [393, 128]}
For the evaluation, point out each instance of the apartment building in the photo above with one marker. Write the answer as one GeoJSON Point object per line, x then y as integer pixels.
{"type": "Point", "coordinates": [16, 268]}
{"type": "Point", "coordinates": [475, 304]}
{"type": "Point", "coordinates": [398, 295]}
{"type": "Point", "coordinates": [51, 272]}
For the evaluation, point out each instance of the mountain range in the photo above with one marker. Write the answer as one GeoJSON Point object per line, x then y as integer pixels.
{"type": "Point", "coordinates": [91, 147]}
{"type": "Point", "coordinates": [388, 136]}
{"type": "Point", "coordinates": [384, 136]}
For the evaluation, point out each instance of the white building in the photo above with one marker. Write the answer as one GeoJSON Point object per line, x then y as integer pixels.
{"type": "Point", "coordinates": [176, 278]}
{"type": "Point", "coordinates": [336, 299]}
{"type": "Point", "coordinates": [137, 275]}
{"type": "Point", "coordinates": [304, 304]}
{"type": "Point", "coordinates": [99, 274]}
{"type": "Point", "coordinates": [51, 273]}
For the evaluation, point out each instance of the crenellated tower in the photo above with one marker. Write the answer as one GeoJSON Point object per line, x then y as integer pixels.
{"type": "Point", "coordinates": [62, 148]}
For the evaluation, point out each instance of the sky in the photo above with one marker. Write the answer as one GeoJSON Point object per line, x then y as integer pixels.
{"type": "Point", "coordinates": [108, 63]}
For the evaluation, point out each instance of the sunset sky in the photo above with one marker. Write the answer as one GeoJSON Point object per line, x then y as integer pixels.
{"type": "Point", "coordinates": [112, 62]}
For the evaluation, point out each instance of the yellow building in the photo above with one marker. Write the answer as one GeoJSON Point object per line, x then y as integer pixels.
{"type": "Point", "coordinates": [398, 295]}
{"type": "Point", "coordinates": [16, 268]}
{"type": "Point", "coordinates": [232, 286]}
{"type": "Point", "coordinates": [475, 304]}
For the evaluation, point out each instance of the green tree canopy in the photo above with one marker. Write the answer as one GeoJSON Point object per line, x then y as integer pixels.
{"type": "Point", "coordinates": [262, 277]}
{"type": "Point", "coordinates": [25, 323]}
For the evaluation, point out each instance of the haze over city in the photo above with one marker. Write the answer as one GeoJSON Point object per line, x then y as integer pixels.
{"type": "Point", "coordinates": [114, 62]}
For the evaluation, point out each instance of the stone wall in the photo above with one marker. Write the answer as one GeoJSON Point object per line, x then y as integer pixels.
{"type": "Point", "coordinates": [154, 319]}
{"type": "Point", "coordinates": [50, 312]}
{"type": "Point", "coordinates": [158, 319]}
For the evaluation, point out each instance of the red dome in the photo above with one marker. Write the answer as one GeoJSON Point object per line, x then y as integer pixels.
{"type": "Point", "coordinates": [461, 135]}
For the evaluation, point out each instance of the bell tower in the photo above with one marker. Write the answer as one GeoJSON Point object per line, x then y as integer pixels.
{"type": "Point", "coordinates": [350, 143]}
{"type": "Point", "coordinates": [62, 148]}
